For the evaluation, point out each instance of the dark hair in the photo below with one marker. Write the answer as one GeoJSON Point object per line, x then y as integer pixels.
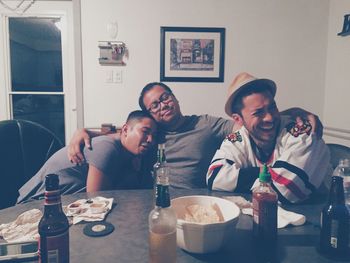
{"type": "Point", "coordinates": [138, 115]}
{"type": "Point", "coordinates": [237, 103]}
{"type": "Point", "coordinates": [148, 87]}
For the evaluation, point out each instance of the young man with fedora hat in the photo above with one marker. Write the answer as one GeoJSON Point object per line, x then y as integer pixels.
{"type": "Point", "coordinates": [298, 160]}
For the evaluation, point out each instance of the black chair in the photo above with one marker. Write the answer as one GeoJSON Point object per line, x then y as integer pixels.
{"type": "Point", "coordinates": [338, 152]}
{"type": "Point", "coordinates": [24, 148]}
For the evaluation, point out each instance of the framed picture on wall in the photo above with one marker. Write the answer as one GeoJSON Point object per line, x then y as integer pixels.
{"type": "Point", "coordinates": [192, 54]}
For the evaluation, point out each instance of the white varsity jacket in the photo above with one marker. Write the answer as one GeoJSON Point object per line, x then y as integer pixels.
{"type": "Point", "coordinates": [299, 164]}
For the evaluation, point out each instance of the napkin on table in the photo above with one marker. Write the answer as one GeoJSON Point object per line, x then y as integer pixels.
{"type": "Point", "coordinates": [85, 210]}
{"type": "Point", "coordinates": [284, 217]}
{"type": "Point", "coordinates": [25, 227]}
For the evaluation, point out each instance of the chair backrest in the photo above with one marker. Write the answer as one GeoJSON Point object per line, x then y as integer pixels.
{"type": "Point", "coordinates": [24, 148]}
{"type": "Point", "coordinates": [338, 152]}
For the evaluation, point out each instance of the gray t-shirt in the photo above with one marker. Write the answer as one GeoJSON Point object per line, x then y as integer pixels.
{"type": "Point", "coordinates": [107, 155]}
{"type": "Point", "coordinates": [190, 148]}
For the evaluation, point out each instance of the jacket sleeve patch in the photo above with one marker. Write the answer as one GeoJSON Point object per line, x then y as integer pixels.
{"type": "Point", "coordinates": [296, 129]}
{"type": "Point", "coordinates": [234, 137]}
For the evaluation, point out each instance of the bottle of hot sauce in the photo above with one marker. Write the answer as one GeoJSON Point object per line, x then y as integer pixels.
{"type": "Point", "coordinates": [53, 227]}
{"type": "Point", "coordinates": [265, 217]}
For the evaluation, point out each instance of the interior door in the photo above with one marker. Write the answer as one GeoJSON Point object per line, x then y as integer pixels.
{"type": "Point", "coordinates": [39, 66]}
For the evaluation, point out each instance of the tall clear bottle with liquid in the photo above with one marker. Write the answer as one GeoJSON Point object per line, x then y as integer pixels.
{"type": "Point", "coordinates": [335, 223]}
{"type": "Point", "coordinates": [53, 227]}
{"type": "Point", "coordinates": [162, 221]}
{"type": "Point", "coordinates": [265, 201]}
{"type": "Point", "coordinates": [343, 170]}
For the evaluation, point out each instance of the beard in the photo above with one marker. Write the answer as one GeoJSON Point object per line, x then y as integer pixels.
{"type": "Point", "coordinates": [264, 138]}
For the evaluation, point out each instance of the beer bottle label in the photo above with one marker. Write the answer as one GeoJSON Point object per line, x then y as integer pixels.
{"type": "Point", "coordinates": [57, 248]}
{"type": "Point", "coordinates": [334, 233]}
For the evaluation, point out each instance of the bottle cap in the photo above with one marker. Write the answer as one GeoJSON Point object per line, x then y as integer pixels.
{"type": "Point", "coordinates": [51, 182]}
{"type": "Point", "coordinates": [264, 175]}
{"type": "Point", "coordinates": [161, 146]}
{"type": "Point", "coordinates": [161, 153]}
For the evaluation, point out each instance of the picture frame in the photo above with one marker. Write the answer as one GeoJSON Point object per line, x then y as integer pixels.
{"type": "Point", "coordinates": [192, 54]}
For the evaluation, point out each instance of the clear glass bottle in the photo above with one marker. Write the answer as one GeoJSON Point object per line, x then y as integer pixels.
{"type": "Point", "coordinates": [334, 237]}
{"type": "Point", "coordinates": [265, 201]}
{"type": "Point", "coordinates": [162, 222]}
{"type": "Point", "coordinates": [53, 227]}
{"type": "Point", "coordinates": [343, 170]}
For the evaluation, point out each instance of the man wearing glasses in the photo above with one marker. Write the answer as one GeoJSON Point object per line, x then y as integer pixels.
{"type": "Point", "coordinates": [190, 141]}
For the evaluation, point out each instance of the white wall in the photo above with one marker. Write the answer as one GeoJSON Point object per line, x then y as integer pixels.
{"type": "Point", "coordinates": [337, 92]}
{"type": "Point", "coordinates": [279, 39]}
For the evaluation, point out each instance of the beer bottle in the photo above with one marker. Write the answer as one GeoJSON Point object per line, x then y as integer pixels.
{"type": "Point", "coordinates": [160, 167]}
{"type": "Point", "coordinates": [265, 217]}
{"type": "Point", "coordinates": [162, 221]}
{"type": "Point", "coordinates": [53, 227]}
{"type": "Point", "coordinates": [160, 161]}
{"type": "Point", "coordinates": [334, 237]}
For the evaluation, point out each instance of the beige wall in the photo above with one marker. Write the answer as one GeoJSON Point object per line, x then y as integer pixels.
{"type": "Point", "coordinates": [293, 42]}
{"type": "Point", "coordinates": [279, 39]}
{"type": "Point", "coordinates": [337, 92]}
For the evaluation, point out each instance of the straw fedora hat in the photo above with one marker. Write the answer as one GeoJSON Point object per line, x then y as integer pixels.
{"type": "Point", "coordinates": [242, 81]}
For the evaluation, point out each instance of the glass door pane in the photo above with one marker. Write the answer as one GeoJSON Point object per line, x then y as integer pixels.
{"type": "Point", "coordinates": [36, 71]}
{"type": "Point", "coordinates": [44, 109]}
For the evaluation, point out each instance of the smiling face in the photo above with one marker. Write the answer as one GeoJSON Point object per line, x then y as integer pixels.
{"type": "Point", "coordinates": [138, 136]}
{"type": "Point", "coordinates": [163, 106]}
{"type": "Point", "coordinates": [261, 118]}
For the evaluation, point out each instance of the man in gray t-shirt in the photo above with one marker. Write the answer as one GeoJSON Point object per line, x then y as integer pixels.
{"type": "Point", "coordinates": [112, 164]}
{"type": "Point", "coordinates": [189, 149]}
{"type": "Point", "coordinates": [190, 141]}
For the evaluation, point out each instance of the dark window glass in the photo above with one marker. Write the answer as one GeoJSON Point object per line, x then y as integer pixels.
{"type": "Point", "coordinates": [36, 66]}
{"type": "Point", "coordinates": [36, 54]}
{"type": "Point", "coordinates": [44, 109]}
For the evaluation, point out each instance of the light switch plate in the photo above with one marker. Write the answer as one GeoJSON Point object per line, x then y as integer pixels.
{"type": "Point", "coordinates": [118, 76]}
{"type": "Point", "coordinates": [109, 76]}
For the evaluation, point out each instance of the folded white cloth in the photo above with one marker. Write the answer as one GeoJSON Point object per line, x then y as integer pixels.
{"type": "Point", "coordinates": [24, 228]}
{"type": "Point", "coordinates": [284, 217]}
{"type": "Point", "coordinates": [94, 209]}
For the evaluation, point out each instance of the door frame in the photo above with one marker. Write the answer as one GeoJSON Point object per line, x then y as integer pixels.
{"type": "Point", "coordinates": [69, 12]}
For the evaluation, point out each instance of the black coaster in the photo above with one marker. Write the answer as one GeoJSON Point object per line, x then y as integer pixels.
{"type": "Point", "coordinates": [98, 229]}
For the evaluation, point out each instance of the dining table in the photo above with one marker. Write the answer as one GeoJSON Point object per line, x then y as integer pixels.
{"type": "Point", "coordinates": [129, 240]}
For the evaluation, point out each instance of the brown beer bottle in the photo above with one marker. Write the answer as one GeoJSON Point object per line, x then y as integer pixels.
{"type": "Point", "coordinates": [53, 226]}
{"type": "Point", "coordinates": [334, 238]}
{"type": "Point", "coordinates": [265, 218]}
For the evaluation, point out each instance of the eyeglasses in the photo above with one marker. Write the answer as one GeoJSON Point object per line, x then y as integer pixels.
{"type": "Point", "coordinates": [164, 98]}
